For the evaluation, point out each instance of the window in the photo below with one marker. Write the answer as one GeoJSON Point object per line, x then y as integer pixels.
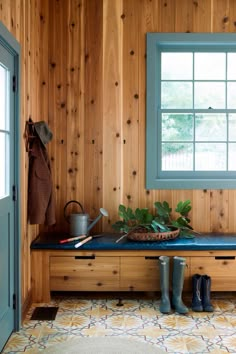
{"type": "Point", "coordinates": [191, 111]}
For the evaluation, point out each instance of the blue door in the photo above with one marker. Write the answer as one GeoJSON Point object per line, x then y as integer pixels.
{"type": "Point", "coordinates": [7, 195]}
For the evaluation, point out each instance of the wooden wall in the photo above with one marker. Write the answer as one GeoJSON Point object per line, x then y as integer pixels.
{"type": "Point", "coordinates": [83, 71]}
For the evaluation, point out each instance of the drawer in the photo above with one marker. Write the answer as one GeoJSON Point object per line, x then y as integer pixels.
{"type": "Point", "coordinates": [139, 274]}
{"type": "Point", "coordinates": [142, 274]}
{"type": "Point", "coordinates": [84, 273]}
{"type": "Point", "coordinates": [221, 269]}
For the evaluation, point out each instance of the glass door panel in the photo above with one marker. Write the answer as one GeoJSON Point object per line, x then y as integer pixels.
{"type": "Point", "coordinates": [4, 133]}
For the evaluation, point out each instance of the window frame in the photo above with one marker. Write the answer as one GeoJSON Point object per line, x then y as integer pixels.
{"type": "Point", "coordinates": [155, 179]}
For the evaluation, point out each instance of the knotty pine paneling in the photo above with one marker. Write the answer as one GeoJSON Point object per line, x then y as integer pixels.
{"type": "Point", "coordinates": [83, 70]}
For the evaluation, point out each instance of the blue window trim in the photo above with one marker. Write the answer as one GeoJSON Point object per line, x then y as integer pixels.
{"type": "Point", "coordinates": [155, 42]}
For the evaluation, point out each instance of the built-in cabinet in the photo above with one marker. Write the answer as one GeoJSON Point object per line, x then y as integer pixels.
{"type": "Point", "coordinates": [66, 270]}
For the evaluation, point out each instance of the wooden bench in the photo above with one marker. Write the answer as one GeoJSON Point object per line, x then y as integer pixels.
{"type": "Point", "coordinates": [104, 265]}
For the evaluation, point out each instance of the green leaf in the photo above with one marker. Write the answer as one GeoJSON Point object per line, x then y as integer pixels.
{"type": "Point", "coordinates": [183, 207]}
{"type": "Point", "coordinates": [159, 226]}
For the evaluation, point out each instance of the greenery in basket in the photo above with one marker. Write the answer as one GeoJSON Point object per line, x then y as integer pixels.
{"type": "Point", "coordinates": [161, 221]}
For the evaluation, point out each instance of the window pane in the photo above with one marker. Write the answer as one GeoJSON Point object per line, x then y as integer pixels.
{"type": "Point", "coordinates": [210, 157]}
{"type": "Point", "coordinates": [176, 95]}
{"type": "Point", "coordinates": [177, 157]}
{"type": "Point", "coordinates": [3, 86]}
{"type": "Point", "coordinates": [177, 127]}
{"type": "Point", "coordinates": [232, 127]}
{"type": "Point", "coordinates": [176, 66]}
{"type": "Point", "coordinates": [209, 66]}
{"type": "Point", "coordinates": [231, 69]}
{"type": "Point", "coordinates": [209, 94]}
{"type": "Point", "coordinates": [4, 166]}
{"type": "Point", "coordinates": [231, 101]}
{"type": "Point", "coordinates": [211, 127]}
{"type": "Point", "coordinates": [232, 157]}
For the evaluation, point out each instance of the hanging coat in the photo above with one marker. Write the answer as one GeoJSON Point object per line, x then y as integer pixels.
{"type": "Point", "coordinates": [41, 207]}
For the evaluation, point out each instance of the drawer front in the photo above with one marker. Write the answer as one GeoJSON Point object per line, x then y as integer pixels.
{"type": "Point", "coordinates": [142, 274]}
{"type": "Point", "coordinates": [84, 273]}
{"type": "Point", "coordinates": [139, 274]}
{"type": "Point", "coordinates": [222, 271]}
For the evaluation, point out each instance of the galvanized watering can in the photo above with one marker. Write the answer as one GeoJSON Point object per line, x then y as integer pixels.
{"type": "Point", "coordinates": [80, 222]}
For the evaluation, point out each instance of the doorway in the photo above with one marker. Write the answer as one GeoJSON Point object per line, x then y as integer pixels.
{"type": "Point", "coordinates": [10, 304]}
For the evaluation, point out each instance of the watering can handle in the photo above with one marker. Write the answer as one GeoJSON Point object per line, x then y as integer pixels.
{"type": "Point", "coordinates": [65, 207]}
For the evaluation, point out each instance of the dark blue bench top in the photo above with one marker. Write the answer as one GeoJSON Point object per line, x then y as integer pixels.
{"type": "Point", "coordinates": [206, 241]}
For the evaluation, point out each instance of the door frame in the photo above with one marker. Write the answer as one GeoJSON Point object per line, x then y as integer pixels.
{"type": "Point", "coordinates": [10, 43]}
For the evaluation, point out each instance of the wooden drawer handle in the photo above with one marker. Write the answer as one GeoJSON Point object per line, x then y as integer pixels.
{"type": "Point", "coordinates": [225, 257]}
{"type": "Point", "coordinates": [85, 257]}
{"type": "Point", "coordinates": [151, 257]}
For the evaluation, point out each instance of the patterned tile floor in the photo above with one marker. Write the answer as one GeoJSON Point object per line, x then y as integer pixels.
{"type": "Point", "coordinates": [139, 318]}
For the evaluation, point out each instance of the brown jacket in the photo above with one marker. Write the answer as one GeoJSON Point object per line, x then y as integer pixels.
{"type": "Point", "coordinates": [41, 207]}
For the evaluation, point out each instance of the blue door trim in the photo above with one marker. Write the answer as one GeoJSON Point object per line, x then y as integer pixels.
{"type": "Point", "coordinates": [9, 42]}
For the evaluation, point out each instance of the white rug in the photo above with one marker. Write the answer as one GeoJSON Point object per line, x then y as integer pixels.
{"type": "Point", "coordinates": [102, 345]}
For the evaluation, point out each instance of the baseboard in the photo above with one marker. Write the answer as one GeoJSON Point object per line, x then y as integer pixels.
{"type": "Point", "coordinates": [26, 305]}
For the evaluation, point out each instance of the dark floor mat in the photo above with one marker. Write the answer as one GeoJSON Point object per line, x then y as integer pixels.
{"type": "Point", "coordinates": [44, 313]}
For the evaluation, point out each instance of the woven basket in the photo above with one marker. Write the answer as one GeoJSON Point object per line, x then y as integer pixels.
{"type": "Point", "coordinates": [144, 235]}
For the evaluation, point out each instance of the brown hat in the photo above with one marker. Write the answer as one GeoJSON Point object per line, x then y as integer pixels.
{"type": "Point", "coordinates": [43, 132]}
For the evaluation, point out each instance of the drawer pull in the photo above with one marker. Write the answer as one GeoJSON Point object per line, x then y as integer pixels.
{"type": "Point", "coordinates": [152, 257]}
{"type": "Point", "coordinates": [85, 257]}
{"type": "Point", "coordinates": [225, 257]}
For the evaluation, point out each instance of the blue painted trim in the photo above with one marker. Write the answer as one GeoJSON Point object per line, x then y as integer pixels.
{"type": "Point", "coordinates": [155, 178]}
{"type": "Point", "coordinates": [11, 44]}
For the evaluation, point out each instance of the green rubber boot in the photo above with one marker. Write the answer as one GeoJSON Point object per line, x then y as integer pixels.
{"type": "Point", "coordinates": [164, 262]}
{"type": "Point", "coordinates": [179, 264]}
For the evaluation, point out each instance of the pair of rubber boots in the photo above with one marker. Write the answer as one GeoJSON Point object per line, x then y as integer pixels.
{"type": "Point", "coordinates": [201, 293]}
{"type": "Point", "coordinates": [179, 265]}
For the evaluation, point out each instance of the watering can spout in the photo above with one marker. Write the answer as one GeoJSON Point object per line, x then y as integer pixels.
{"type": "Point", "coordinates": [103, 212]}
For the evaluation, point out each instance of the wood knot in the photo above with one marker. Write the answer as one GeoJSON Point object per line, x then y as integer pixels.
{"type": "Point", "coordinates": [225, 19]}
{"type": "Point", "coordinates": [131, 52]}
{"type": "Point", "coordinates": [53, 65]}
{"type": "Point", "coordinates": [99, 284]}
{"type": "Point", "coordinates": [122, 16]}
{"type": "Point", "coordinates": [128, 197]}
{"type": "Point", "coordinates": [136, 96]}
{"type": "Point", "coordinates": [128, 121]}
